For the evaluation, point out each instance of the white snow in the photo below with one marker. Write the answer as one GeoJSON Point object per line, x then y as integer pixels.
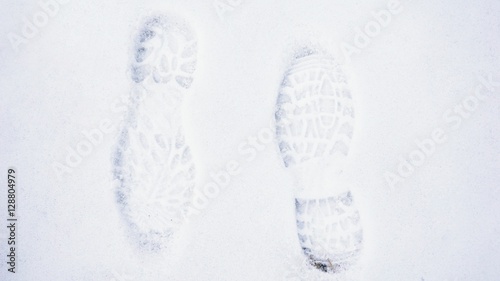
{"type": "Point", "coordinates": [439, 223]}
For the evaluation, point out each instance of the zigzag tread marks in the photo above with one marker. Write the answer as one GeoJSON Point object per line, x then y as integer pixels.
{"type": "Point", "coordinates": [329, 230]}
{"type": "Point", "coordinates": [314, 108]}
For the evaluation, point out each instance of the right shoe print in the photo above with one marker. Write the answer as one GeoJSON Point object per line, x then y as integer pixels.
{"type": "Point", "coordinates": [314, 126]}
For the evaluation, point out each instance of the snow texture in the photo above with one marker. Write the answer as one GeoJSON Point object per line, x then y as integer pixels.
{"type": "Point", "coordinates": [86, 87]}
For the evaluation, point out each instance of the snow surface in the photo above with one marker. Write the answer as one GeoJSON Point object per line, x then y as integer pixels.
{"type": "Point", "coordinates": [440, 223]}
